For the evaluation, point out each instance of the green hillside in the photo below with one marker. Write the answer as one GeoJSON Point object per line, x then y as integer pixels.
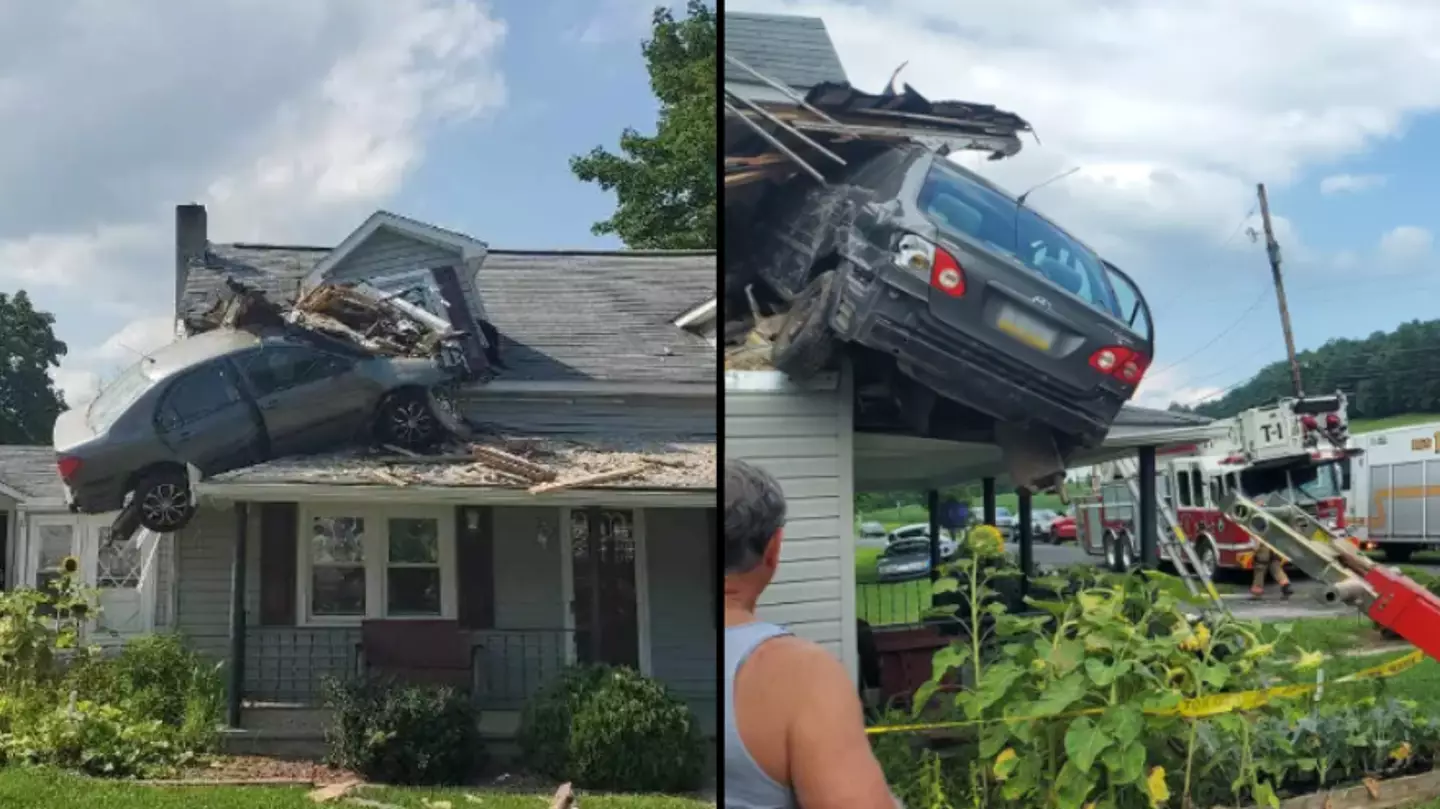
{"type": "Point", "coordinates": [1391, 422]}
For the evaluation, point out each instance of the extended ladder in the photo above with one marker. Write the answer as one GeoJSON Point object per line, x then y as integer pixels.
{"type": "Point", "coordinates": [1172, 540]}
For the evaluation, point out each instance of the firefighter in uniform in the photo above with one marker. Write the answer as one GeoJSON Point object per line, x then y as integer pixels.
{"type": "Point", "coordinates": [1265, 561]}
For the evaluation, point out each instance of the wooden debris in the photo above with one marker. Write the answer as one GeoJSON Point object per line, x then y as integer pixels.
{"type": "Point", "coordinates": [366, 802]}
{"type": "Point", "coordinates": [590, 480]}
{"type": "Point", "coordinates": [513, 464]}
{"type": "Point", "coordinates": [410, 453]}
{"type": "Point", "coordinates": [332, 792]}
{"type": "Point", "coordinates": [387, 477]}
{"type": "Point", "coordinates": [564, 797]}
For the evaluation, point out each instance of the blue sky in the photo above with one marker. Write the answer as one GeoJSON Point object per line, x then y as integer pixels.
{"type": "Point", "coordinates": [463, 113]}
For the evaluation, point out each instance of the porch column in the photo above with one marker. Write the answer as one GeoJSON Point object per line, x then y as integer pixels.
{"type": "Point", "coordinates": [1149, 540]}
{"type": "Point", "coordinates": [987, 498]}
{"type": "Point", "coordinates": [932, 501]}
{"type": "Point", "coordinates": [237, 617]}
{"type": "Point", "coordinates": [1027, 540]}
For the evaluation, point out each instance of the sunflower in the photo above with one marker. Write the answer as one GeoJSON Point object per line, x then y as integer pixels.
{"type": "Point", "coordinates": [70, 565]}
{"type": "Point", "coordinates": [986, 540]}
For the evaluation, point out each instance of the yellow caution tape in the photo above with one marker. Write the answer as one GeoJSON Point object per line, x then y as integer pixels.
{"type": "Point", "coordinates": [1195, 708]}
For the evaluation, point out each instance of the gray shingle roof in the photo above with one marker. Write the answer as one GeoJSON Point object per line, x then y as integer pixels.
{"type": "Point", "coordinates": [605, 316]}
{"type": "Point", "coordinates": [31, 471]}
{"type": "Point", "coordinates": [562, 315]}
{"type": "Point", "coordinates": [793, 50]}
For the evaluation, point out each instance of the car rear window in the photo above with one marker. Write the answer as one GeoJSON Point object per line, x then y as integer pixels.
{"type": "Point", "coordinates": [116, 397]}
{"type": "Point", "coordinates": [960, 204]}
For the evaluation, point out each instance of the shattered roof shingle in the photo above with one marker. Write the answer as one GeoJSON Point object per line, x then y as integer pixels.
{"type": "Point", "coordinates": [605, 316]}
{"type": "Point", "coordinates": [795, 51]}
{"type": "Point", "coordinates": [31, 471]}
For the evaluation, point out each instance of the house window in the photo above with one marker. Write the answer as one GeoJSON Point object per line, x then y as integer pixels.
{"type": "Point", "coordinates": [376, 562]}
{"type": "Point", "coordinates": [56, 543]}
{"type": "Point", "coordinates": [337, 566]}
{"type": "Point", "coordinates": [412, 573]}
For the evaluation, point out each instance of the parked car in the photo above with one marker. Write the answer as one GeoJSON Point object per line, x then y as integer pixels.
{"type": "Point", "coordinates": [1040, 520]}
{"type": "Point", "coordinates": [227, 399]}
{"type": "Point", "coordinates": [1005, 521]}
{"type": "Point", "coordinates": [1062, 529]}
{"type": "Point", "coordinates": [904, 560]}
{"type": "Point", "coordinates": [872, 531]}
{"type": "Point", "coordinates": [948, 546]}
{"type": "Point", "coordinates": [967, 292]}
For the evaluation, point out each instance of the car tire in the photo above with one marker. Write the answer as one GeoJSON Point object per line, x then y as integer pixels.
{"type": "Point", "coordinates": [1208, 556]}
{"type": "Point", "coordinates": [1112, 552]}
{"type": "Point", "coordinates": [805, 343]}
{"type": "Point", "coordinates": [164, 501]}
{"type": "Point", "coordinates": [407, 420]}
{"type": "Point", "coordinates": [1124, 553]}
{"type": "Point", "coordinates": [1398, 554]}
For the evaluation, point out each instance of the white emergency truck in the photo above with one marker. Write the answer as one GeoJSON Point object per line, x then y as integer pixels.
{"type": "Point", "coordinates": [1395, 502]}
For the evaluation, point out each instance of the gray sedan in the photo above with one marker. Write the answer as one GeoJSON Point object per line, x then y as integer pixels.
{"type": "Point", "coordinates": [228, 399]}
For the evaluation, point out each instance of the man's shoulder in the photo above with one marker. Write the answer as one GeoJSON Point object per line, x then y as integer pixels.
{"type": "Point", "coordinates": [798, 655]}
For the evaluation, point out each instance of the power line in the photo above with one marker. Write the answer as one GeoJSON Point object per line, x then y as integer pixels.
{"type": "Point", "coordinates": [1264, 293]}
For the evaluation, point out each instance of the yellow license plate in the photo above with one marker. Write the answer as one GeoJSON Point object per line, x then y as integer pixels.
{"type": "Point", "coordinates": [1027, 330]}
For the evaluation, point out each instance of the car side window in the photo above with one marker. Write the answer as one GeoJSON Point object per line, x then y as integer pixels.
{"type": "Point", "coordinates": [196, 395]}
{"type": "Point", "coordinates": [274, 369]}
{"type": "Point", "coordinates": [1132, 305]}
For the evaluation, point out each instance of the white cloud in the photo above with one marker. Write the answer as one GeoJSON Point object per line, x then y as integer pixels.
{"type": "Point", "coordinates": [320, 121]}
{"type": "Point", "coordinates": [78, 387]}
{"type": "Point", "coordinates": [1350, 183]}
{"type": "Point", "coordinates": [1406, 244]}
{"type": "Point", "coordinates": [1166, 386]}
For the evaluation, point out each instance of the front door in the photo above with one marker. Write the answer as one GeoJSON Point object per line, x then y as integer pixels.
{"type": "Point", "coordinates": [606, 604]}
{"type": "Point", "coordinates": [123, 573]}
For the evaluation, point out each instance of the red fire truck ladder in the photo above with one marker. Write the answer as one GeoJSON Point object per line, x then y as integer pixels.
{"type": "Point", "coordinates": [1171, 538]}
{"type": "Point", "coordinates": [1391, 600]}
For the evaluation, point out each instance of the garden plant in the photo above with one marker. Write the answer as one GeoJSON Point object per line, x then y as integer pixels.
{"type": "Point", "coordinates": [1118, 696]}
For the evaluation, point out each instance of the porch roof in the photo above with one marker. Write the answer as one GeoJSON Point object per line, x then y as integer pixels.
{"type": "Point", "coordinates": [30, 471]}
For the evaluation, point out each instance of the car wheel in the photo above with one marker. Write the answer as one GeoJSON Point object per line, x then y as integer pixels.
{"type": "Point", "coordinates": [1112, 556]}
{"type": "Point", "coordinates": [407, 420]}
{"type": "Point", "coordinates": [805, 343]}
{"type": "Point", "coordinates": [1399, 554]}
{"type": "Point", "coordinates": [164, 502]}
{"type": "Point", "coordinates": [1125, 553]}
{"type": "Point", "coordinates": [1208, 557]}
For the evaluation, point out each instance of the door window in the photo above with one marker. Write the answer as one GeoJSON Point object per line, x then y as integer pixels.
{"type": "Point", "coordinates": [200, 393]}
{"type": "Point", "coordinates": [1182, 487]}
{"type": "Point", "coordinates": [117, 565]}
{"type": "Point", "coordinates": [1197, 481]}
{"type": "Point", "coordinates": [602, 546]}
{"type": "Point", "coordinates": [278, 368]}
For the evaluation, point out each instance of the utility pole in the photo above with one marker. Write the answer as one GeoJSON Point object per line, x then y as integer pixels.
{"type": "Point", "coordinates": [1273, 250]}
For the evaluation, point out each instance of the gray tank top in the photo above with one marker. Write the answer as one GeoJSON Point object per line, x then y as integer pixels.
{"type": "Point", "coordinates": [746, 785]}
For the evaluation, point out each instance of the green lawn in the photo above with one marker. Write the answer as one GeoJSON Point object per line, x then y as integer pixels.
{"type": "Point", "coordinates": [1402, 420]}
{"type": "Point", "coordinates": [908, 515]}
{"type": "Point", "coordinates": [1333, 635]}
{"type": "Point", "coordinates": [22, 788]}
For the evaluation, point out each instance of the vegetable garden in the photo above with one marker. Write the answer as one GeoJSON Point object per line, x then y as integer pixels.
{"type": "Point", "coordinates": [1111, 691]}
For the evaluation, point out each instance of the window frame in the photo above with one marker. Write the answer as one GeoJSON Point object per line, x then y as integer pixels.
{"type": "Point", "coordinates": [227, 371]}
{"type": "Point", "coordinates": [377, 562]}
{"type": "Point", "coordinates": [343, 365]}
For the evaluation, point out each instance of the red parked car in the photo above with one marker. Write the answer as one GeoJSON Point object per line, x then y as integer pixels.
{"type": "Point", "coordinates": [1062, 529]}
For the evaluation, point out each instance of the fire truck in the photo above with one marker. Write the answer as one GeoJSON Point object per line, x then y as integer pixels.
{"type": "Point", "coordinates": [1297, 451]}
{"type": "Point", "coordinates": [1395, 503]}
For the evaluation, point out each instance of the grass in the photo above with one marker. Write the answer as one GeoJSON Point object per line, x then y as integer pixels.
{"type": "Point", "coordinates": [915, 513]}
{"type": "Point", "coordinates": [1389, 422]}
{"type": "Point", "coordinates": [1331, 635]}
{"type": "Point", "coordinates": [22, 788]}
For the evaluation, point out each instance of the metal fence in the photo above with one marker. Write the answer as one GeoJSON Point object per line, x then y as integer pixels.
{"type": "Point", "coordinates": [511, 664]}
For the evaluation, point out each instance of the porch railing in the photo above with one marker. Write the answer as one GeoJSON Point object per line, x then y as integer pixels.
{"type": "Point", "coordinates": [508, 665]}
{"type": "Point", "coordinates": [892, 603]}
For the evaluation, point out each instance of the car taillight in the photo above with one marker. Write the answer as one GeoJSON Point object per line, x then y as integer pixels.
{"type": "Point", "coordinates": [68, 466]}
{"type": "Point", "coordinates": [933, 263]}
{"type": "Point", "coordinates": [1124, 364]}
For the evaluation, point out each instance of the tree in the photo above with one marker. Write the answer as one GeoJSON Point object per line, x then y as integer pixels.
{"type": "Point", "coordinates": [29, 401]}
{"type": "Point", "coordinates": [665, 184]}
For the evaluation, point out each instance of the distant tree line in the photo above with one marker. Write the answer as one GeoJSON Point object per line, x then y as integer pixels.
{"type": "Point", "coordinates": [1385, 374]}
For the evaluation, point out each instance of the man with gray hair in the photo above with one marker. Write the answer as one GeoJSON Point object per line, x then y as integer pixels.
{"type": "Point", "coordinates": [794, 728]}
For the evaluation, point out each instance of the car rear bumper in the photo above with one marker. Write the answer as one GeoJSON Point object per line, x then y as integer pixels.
{"type": "Point", "coordinates": [909, 575]}
{"type": "Point", "coordinates": [965, 370]}
{"type": "Point", "coordinates": [91, 501]}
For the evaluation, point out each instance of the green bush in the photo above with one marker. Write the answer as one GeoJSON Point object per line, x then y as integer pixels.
{"type": "Point", "coordinates": [615, 729]}
{"type": "Point", "coordinates": [545, 722]}
{"type": "Point", "coordinates": [156, 677]}
{"type": "Point", "coordinates": [95, 739]}
{"type": "Point", "coordinates": [404, 734]}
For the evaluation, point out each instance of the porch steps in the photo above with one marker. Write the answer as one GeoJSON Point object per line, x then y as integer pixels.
{"type": "Point", "coordinates": [297, 731]}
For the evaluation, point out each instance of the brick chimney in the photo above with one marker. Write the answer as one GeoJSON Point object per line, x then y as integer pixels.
{"type": "Point", "coordinates": [191, 239]}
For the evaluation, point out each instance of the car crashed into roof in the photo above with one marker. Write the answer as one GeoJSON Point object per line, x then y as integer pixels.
{"type": "Point", "coordinates": [253, 384]}
{"type": "Point", "coordinates": [967, 315]}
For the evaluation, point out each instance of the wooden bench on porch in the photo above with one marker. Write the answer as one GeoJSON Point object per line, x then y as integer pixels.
{"type": "Point", "coordinates": [430, 652]}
